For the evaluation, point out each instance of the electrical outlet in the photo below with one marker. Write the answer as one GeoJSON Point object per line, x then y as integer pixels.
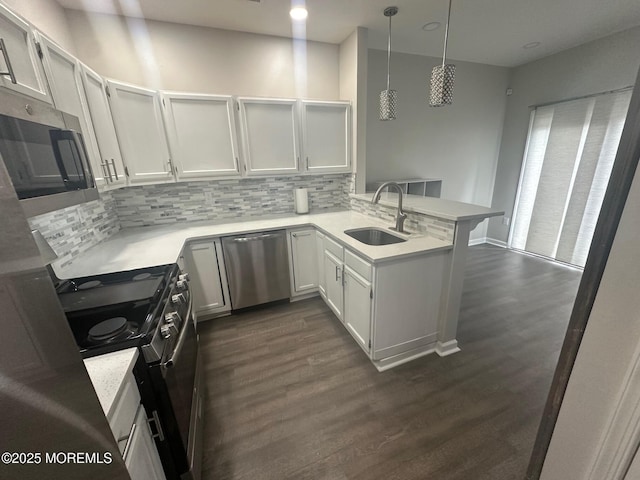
{"type": "Point", "coordinates": [208, 197]}
{"type": "Point", "coordinates": [506, 221]}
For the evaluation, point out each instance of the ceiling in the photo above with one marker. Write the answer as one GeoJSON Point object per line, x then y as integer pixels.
{"type": "Point", "coordinates": [485, 31]}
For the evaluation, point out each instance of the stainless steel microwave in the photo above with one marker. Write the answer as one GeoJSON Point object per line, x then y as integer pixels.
{"type": "Point", "coordinates": [44, 153]}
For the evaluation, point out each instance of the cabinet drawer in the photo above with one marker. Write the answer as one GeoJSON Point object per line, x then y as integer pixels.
{"type": "Point", "coordinates": [358, 265]}
{"type": "Point", "coordinates": [124, 412]}
{"type": "Point", "coordinates": [334, 247]}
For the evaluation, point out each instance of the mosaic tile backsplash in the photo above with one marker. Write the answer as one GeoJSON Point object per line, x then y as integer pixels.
{"type": "Point", "coordinates": [73, 230]}
{"type": "Point", "coordinates": [193, 201]}
{"type": "Point", "coordinates": [416, 222]}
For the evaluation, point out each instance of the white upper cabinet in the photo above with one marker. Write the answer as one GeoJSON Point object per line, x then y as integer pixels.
{"type": "Point", "coordinates": [139, 126]}
{"type": "Point", "coordinates": [202, 135]}
{"type": "Point", "coordinates": [269, 135]}
{"type": "Point", "coordinates": [326, 136]}
{"type": "Point", "coordinates": [110, 169]}
{"type": "Point", "coordinates": [63, 74]}
{"type": "Point", "coordinates": [20, 66]}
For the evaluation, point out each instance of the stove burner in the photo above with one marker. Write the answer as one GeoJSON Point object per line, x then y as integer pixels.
{"type": "Point", "coordinates": [88, 285]}
{"type": "Point", "coordinates": [141, 276]}
{"type": "Point", "coordinates": [108, 329]}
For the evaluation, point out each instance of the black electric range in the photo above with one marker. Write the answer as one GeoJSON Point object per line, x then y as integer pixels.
{"type": "Point", "coordinates": [115, 311]}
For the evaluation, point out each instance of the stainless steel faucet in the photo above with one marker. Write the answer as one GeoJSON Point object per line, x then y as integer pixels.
{"type": "Point", "coordinates": [401, 216]}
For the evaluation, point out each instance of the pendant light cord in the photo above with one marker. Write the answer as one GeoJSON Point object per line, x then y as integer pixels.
{"type": "Point", "coordinates": [446, 36]}
{"type": "Point", "coordinates": [389, 55]}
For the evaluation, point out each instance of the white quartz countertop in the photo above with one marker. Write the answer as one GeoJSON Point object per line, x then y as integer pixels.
{"type": "Point", "coordinates": [436, 207]}
{"type": "Point", "coordinates": [141, 247]}
{"type": "Point", "coordinates": [108, 372]}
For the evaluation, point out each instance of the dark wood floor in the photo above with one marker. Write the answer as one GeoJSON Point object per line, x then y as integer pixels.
{"type": "Point", "coordinates": [291, 396]}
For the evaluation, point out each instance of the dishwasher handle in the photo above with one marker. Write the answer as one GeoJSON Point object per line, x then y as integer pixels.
{"type": "Point", "coordinates": [255, 238]}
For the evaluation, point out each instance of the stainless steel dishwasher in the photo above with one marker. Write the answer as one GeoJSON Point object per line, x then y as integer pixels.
{"type": "Point", "coordinates": [257, 268]}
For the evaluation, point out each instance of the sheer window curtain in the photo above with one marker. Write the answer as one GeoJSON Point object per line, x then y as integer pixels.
{"type": "Point", "coordinates": [567, 163]}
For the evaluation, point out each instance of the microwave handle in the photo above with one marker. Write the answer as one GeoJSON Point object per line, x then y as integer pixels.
{"type": "Point", "coordinates": [73, 137]}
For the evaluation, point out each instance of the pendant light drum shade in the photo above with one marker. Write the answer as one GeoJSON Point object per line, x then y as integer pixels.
{"type": "Point", "coordinates": [443, 76]}
{"type": "Point", "coordinates": [388, 103]}
{"type": "Point", "coordinates": [388, 97]}
{"type": "Point", "coordinates": [442, 79]}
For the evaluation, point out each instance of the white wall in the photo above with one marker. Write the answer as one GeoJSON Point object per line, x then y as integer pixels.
{"type": "Point", "coordinates": [48, 16]}
{"type": "Point", "coordinates": [196, 59]}
{"type": "Point", "coordinates": [458, 143]}
{"type": "Point", "coordinates": [353, 87]}
{"type": "Point", "coordinates": [606, 64]}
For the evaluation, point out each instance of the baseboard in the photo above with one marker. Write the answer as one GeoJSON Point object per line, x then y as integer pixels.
{"type": "Point", "coordinates": [395, 360]}
{"type": "Point", "coordinates": [477, 241]}
{"type": "Point", "coordinates": [497, 243]}
{"type": "Point", "coordinates": [447, 348]}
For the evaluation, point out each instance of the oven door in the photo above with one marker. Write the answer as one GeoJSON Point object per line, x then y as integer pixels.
{"type": "Point", "coordinates": [178, 368]}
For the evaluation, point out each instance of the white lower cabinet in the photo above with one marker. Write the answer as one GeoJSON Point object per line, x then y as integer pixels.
{"type": "Point", "coordinates": [357, 307]}
{"type": "Point", "coordinates": [333, 283]}
{"type": "Point", "coordinates": [320, 262]}
{"type": "Point", "coordinates": [141, 456]}
{"type": "Point", "coordinates": [304, 264]}
{"type": "Point", "coordinates": [131, 430]}
{"type": "Point", "coordinates": [392, 308]}
{"type": "Point", "coordinates": [205, 264]}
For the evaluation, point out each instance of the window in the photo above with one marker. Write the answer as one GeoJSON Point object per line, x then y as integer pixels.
{"type": "Point", "coordinates": [567, 163]}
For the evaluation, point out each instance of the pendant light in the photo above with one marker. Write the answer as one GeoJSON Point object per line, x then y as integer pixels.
{"type": "Point", "coordinates": [388, 98]}
{"type": "Point", "coordinates": [443, 76]}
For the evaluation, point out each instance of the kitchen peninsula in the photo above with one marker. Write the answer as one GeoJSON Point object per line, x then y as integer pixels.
{"type": "Point", "coordinates": [398, 301]}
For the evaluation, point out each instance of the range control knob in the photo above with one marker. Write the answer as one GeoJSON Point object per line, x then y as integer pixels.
{"type": "Point", "coordinates": [171, 317]}
{"type": "Point", "coordinates": [184, 277]}
{"type": "Point", "coordinates": [165, 331]}
{"type": "Point", "coordinates": [178, 299]}
{"type": "Point", "coordinates": [181, 284]}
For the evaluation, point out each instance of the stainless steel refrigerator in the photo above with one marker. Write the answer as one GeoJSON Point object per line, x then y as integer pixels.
{"type": "Point", "coordinates": [51, 424]}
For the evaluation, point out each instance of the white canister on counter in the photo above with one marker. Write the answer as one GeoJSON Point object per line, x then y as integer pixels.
{"type": "Point", "coordinates": [301, 200]}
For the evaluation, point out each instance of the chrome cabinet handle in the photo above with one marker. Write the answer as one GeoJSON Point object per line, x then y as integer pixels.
{"type": "Point", "coordinates": [7, 62]}
{"type": "Point", "coordinates": [128, 438]}
{"type": "Point", "coordinates": [307, 163]}
{"type": "Point", "coordinates": [105, 172]}
{"type": "Point", "coordinates": [296, 235]}
{"type": "Point", "coordinates": [337, 274]}
{"type": "Point", "coordinates": [115, 171]}
{"type": "Point", "coordinates": [106, 162]}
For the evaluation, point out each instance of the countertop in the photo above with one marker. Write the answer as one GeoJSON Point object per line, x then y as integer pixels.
{"type": "Point", "coordinates": [108, 372]}
{"type": "Point", "coordinates": [435, 207]}
{"type": "Point", "coordinates": [147, 246]}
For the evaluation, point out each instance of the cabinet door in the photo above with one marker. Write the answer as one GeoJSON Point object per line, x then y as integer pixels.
{"type": "Point", "coordinates": [19, 53]}
{"type": "Point", "coordinates": [269, 135]}
{"type": "Point", "coordinates": [63, 74]}
{"type": "Point", "coordinates": [202, 135]}
{"type": "Point", "coordinates": [141, 135]}
{"type": "Point", "coordinates": [333, 276]}
{"type": "Point", "coordinates": [326, 136]}
{"type": "Point", "coordinates": [357, 307]}
{"type": "Point", "coordinates": [141, 456]}
{"type": "Point", "coordinates": [304, 261]}
{"type": "Point", "coordinates": [111, 166]}
{"type": "Point", "coordinates": [320, 263]}
{"type": "Point", "coordinates": [208, 279]}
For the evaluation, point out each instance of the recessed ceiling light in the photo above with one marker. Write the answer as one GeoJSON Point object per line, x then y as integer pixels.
{"type": "Point", "coordinates": [531, 45]}
{"type": "Point", "coordinates": [298, 13]}
{"type": "Point", "coordinates": [431, 26]}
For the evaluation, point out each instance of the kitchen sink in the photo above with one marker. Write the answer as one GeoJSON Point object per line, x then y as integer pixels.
{"type": "Point", "coordinates": [374, 236]}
